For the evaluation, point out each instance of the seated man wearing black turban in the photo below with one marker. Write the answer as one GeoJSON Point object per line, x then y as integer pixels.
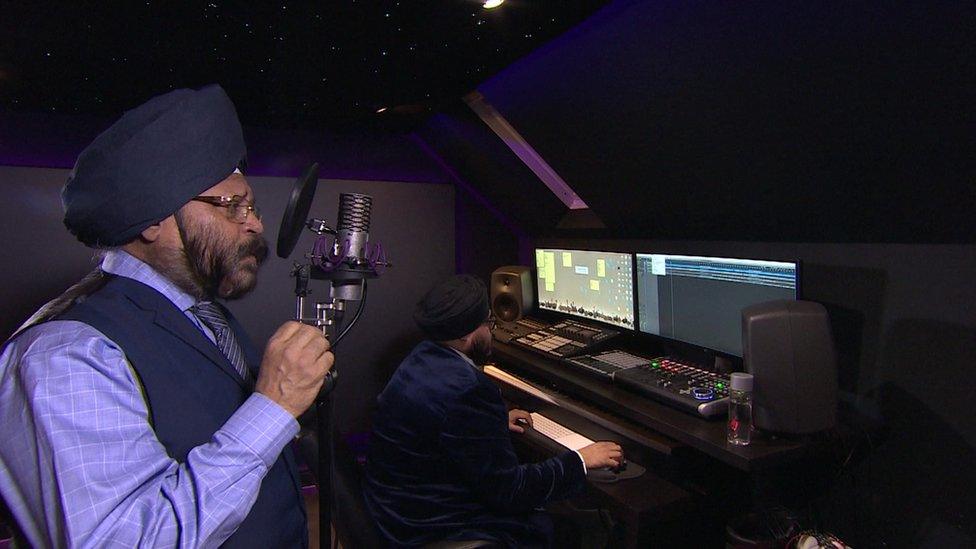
{"type": "Point", "coordinates": [441, 464]}
{"type": "Point", "coordinates": [134, 412]}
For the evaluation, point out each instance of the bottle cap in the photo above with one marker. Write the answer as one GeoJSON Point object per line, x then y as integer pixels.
{"type": "Point", "coordinates": [741, 382]}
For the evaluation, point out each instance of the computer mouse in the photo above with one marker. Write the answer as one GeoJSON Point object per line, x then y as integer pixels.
{"type": "Point", "coordinates": [622, 466]}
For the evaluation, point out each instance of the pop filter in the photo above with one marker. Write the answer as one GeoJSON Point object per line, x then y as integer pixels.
{"type": "Point", "coordinates": [296, 212]}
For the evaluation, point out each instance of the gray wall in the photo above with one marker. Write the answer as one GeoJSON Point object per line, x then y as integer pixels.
{"type": "Point", "coordinates": [413, 221]}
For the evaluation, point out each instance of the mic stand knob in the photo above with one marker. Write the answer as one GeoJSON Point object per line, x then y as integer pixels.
{"type": "Point", "coordinates": [319, 227]}
{"type": "Point", "coordinates": [302, 273]}
{"type": "Point", "coordinates": [329, 384]}
{"type": "Point", "coordinates": [329, 315]}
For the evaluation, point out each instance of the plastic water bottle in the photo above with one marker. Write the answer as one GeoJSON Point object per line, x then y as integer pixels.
{"type": "Point", "coordinates": [739, 431]}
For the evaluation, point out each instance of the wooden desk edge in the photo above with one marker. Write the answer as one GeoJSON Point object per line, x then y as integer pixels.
{"type": "Point", "coordinates": [655, 416]}
{"type": "Point", "coordinates": [649, 495]}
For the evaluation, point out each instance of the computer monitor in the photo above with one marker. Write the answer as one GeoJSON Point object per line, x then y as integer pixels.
{"type": "Point", "coordinates": [587, 284]}
{"type": "Point", "coordinates": [699, 300]}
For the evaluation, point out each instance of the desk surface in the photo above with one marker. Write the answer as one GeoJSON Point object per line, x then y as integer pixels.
{"type": "Point", "coordinates": [707, 436]}
{"type": "Point", "coordinates": [644, 505]}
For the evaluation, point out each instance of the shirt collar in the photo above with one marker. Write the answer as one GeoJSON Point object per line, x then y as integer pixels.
{"type": "Point", "coordinates": [121, 263]}
{"type": "Point", "coordinates": [464, 356]}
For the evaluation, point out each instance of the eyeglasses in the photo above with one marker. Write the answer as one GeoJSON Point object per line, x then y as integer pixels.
{"type": "Point", "coordinates": [237, 209]}
{"type": "Point", "coordinates": [491, 322]}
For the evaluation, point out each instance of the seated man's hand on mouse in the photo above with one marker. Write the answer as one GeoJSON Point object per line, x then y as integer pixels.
{"type": "Point", "coordinates": [621, 467]}
{"type": "Point", "coordinates": [602, 454]}
{"type": "Point", "coordinates": [517, 418]}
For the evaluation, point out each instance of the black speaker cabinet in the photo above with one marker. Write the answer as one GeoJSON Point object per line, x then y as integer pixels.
{"type": "Point", "coordinates": [788, 348]}
{"type": "Point", "coordinates": [511, 292]}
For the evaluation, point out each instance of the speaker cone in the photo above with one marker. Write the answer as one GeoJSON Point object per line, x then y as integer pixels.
{"type": "Point", "coordinates": [505, 307]}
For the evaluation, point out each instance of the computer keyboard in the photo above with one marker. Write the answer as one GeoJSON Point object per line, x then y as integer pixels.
{"type": "Point", "coordinates": [549, 427]}
{"type": "Point", "coordinates": [604, 364]}
{"type": "Point", "coordinates": [558, 432]}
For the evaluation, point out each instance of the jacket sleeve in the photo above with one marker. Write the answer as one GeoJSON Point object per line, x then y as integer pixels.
{"type": "Point", "coordinates": [476, 441]}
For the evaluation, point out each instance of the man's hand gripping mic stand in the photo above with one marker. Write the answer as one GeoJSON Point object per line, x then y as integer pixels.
{"type": "Point", "coordinates": [348, 261]}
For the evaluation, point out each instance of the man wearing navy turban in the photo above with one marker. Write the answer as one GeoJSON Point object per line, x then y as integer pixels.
{"type": "Point", "coordinates": [441, 466]}
{"type": "Point", "coordinates": [134, 411]}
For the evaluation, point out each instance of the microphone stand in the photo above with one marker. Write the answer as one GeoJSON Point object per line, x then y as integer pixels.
{"type": "Point", "coordinates": [347, 266]}
{"type": "Point", "coordinates": [328, 317]}
{"type": "Point", "coordinates": [326, 418]}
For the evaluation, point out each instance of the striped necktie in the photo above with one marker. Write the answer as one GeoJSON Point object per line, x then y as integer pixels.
{"type": "Point", "coordinates": [211, 315]}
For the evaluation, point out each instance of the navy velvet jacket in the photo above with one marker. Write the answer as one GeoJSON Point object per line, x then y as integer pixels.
{"type": "Point", "coordinates": [441, 464]}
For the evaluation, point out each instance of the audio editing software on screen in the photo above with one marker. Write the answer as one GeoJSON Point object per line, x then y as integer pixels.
{"type": "Point", "coordinates": [699, 300]}
{"type": "Point", "coordinates": [586, 284]}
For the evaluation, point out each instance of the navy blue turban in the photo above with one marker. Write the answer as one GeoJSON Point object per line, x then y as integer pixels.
{"type": "Point", "coordinates": [150, 163]}
{"type": "Point", "coordinates": [452, 309]}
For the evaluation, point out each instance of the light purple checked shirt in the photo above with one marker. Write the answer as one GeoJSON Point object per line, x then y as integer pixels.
{"type": "Point", "coordinates": [80, 465]}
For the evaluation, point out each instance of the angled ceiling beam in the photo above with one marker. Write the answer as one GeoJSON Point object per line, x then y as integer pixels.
{"type": "Point", "coordinates": [511, 137]}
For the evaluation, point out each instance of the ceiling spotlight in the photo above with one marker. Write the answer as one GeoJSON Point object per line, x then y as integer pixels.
{"type": "Point", "coordinates": [381, 109]}
{"type": "Point", "coordinates": [490, 4]}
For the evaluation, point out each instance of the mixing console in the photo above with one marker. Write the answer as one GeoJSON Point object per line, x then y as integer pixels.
{"type": "Point", "coordinates": [605, 364]}
{"type": "Point", "coordinates": [678, 384]}
{"type": "Point", "coordinates": [507, 331]}
{"type": "Point", "coordinates": [565, 338]}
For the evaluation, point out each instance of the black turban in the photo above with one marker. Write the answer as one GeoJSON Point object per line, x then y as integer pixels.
{"type": "Point", "coordinates": [452, 309]}
{"type": "Point", "coordinates": [150, 163]}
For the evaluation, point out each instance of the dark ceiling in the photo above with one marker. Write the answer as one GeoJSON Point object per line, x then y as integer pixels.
{"type": "Point", "coordinates": [285, 64]}
{"type": "Point", "coordinates": [829, 121]}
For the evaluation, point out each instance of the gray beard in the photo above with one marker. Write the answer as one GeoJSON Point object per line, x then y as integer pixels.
{"type": "Point", "coordinates": [480, 356]}
{"type": "Point", "coordinates": [175, 265]}
{"type": "Point", "coordinates": [199, 268]}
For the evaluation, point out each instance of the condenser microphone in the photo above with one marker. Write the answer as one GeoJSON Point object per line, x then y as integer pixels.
{"type": "Point", "coordinates": [350, 246]}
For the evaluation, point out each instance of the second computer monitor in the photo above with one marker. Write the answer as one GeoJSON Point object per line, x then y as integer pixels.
{"type": "Point", "coordinates": [699, 300]}
{"type": "Point", "coordinates": [587, 284]}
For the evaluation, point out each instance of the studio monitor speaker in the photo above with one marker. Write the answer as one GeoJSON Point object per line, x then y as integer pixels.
{"type": "Point", "coordinates": [788, 348]}
{"type": "Point", "coordinates": [511, 292]}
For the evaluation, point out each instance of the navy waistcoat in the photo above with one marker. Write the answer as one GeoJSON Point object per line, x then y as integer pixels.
{"type": "Point", "coordinates": [191, 390]}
